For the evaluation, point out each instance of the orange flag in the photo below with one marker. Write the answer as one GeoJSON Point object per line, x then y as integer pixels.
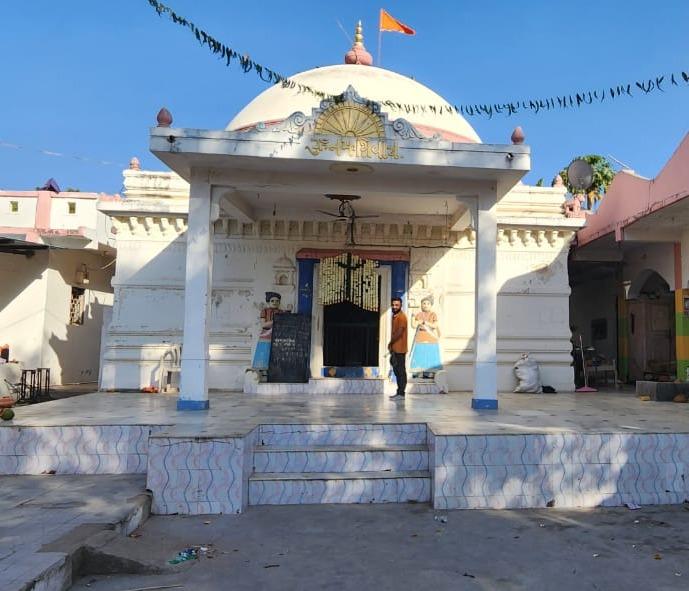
{"type": "Point", "coordinates": [389, 23]}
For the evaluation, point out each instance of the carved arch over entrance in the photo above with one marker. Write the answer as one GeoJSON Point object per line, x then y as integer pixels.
{"type": "Point", "coordinates": [646, 282]}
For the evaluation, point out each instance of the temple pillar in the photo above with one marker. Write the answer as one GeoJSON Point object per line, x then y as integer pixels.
{"type": "Point", "coordinates": [485, 309]}
{"type": "Point", "coordinates": [193, 393]}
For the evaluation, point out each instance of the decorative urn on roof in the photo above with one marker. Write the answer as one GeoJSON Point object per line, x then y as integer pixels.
{"type": "Point", "coordinates": [164, 118]}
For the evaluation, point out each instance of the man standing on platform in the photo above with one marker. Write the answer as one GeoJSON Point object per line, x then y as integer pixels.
{"type": "Point", "coordinates": [398, 347]}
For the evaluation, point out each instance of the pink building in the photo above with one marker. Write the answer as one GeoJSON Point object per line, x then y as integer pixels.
{"type": "Point", "coordinates": [629, 271]}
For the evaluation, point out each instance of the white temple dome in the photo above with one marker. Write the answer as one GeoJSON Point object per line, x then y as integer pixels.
{"type": "Point", "coordinates": [277, 103]}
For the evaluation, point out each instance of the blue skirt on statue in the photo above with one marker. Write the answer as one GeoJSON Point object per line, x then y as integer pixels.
{"type": "Point", "coordinates": [425, 357]}
{"type": "Point", "coordinates": [262, 355]}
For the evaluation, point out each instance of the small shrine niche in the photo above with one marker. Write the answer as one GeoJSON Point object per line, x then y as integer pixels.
{"type": "Point", "coordinates": [419, 282]}
{"type": "Point", "coordinates": [284, 273]}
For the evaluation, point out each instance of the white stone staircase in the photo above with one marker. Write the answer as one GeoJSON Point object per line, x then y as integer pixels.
{"type": "Point", "coordinates": [313, 464]}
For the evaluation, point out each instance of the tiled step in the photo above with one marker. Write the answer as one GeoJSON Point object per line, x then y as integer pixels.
{"type": "Point", "coordinates": [340, 487]}
{"type": "Point", "coordinates": [422, 387]}
{"type": "Point", "coordinates": [350, 434]}
{"type": "Point", "coordinates": [347, 386]}
{"type": "Point", "coordinates": [340, 458]}
{"type": "Point", "coordinates": [350, 386]}
{"type": "Point", "coordinates": [314, 386]}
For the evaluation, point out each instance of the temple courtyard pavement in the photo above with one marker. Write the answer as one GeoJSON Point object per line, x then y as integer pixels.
{"type": "Point", "coordinates": [78, 532]}
{"type": "Point", "coordinates": [410, 547]}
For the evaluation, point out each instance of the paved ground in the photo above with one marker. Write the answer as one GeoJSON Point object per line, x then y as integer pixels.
{"type": "Point", "coordinates": [400, 547]}
{"type": "Point", "coordinates": [236, 414]}
{"type": "Point", "coordinates": [54, 513]}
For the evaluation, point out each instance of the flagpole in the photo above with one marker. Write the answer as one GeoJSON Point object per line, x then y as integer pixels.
{"type": "Point", "coordinates": [380, 36]}
{"type": "Point", "coordinates": [380, 45]}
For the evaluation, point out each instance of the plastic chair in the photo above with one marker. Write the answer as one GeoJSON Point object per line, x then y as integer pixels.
{"type": "Point", "coordinates": [15, 389]}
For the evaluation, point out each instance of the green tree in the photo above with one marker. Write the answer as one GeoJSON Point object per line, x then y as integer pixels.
{"type": "Point", "coordinates": [603, 174]}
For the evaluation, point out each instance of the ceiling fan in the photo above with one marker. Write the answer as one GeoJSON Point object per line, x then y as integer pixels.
{"type": "Point", "coordinates": [346, 212]}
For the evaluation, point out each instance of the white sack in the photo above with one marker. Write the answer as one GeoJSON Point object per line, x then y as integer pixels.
{"type": "Point", "coordinates": [528, 375]}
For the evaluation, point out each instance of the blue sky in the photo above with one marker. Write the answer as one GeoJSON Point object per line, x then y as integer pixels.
{"type": "Point", "coordinates": [87, 78]}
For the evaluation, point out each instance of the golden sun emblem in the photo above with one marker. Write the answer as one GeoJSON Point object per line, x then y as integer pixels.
{"type": "Point", "coordinates": [350, 120]}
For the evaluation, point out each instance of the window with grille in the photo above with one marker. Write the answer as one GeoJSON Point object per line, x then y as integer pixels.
{"type": "Point", "coordinates": [76, 306]}
{"type": "Point", "coordinates": [71, 207]}
{"type": "Point", "coordinates": [14, 206]}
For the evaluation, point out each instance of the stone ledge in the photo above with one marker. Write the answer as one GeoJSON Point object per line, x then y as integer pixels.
{"type": "Point", "coordinates": [661, 391]}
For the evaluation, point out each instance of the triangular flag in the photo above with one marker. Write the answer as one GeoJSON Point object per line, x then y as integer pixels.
{"type": "Point", "coordinates": [389, 23]}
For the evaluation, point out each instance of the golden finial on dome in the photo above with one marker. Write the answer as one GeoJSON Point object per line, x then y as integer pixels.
{"type": "Point", "coordinates": [358, 34]}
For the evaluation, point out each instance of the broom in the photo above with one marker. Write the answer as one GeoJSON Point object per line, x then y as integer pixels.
{"type": "Point", "coordinates": [585, 387]}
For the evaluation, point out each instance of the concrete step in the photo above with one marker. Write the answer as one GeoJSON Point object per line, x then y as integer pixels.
{"type": "Point", "coordinates": [47, 552]}
{"type": "Point", "coordinates": [344, 434]}
{"type": "Point", "coordinates": [309, 488]}
{"type": "Point", "coordinates": [340, 458]}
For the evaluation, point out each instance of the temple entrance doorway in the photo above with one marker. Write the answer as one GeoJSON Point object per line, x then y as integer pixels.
{"type": "Point", "coordinates": [651, 328]}
{"type": "Point", "coordinates": [349, 341]}
{"type": "Point", "coordinates": [350, 336]}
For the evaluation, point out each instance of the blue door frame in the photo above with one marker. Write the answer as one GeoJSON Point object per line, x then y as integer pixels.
{"type": "Point", "coordinates": [398, 280]}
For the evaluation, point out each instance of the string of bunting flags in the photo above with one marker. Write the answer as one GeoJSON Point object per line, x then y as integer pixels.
{"type": "Point", "coordinates": [508, 108]}
{"type": "Point", "coordinates": [53, 153]}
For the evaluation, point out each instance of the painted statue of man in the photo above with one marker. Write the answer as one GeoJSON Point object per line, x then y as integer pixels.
{"type": "Point", "coordinates": [398, 347]}
{"type": "Point", "coordinates": [262, 354]}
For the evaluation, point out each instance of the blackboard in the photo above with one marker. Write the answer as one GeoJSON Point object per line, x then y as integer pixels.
{"type": "Point", "coordinates": [290, 349]}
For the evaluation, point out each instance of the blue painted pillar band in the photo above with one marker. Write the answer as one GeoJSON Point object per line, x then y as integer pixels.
{"type": "Point", "coordinates": [305, 296]}
{"type": "Point", "coordinates": [484, 403]}
{"type": "Point", "coordinates": [185, 404]}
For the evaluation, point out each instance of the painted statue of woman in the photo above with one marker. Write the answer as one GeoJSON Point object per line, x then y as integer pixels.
{"type": "Point", "coordinates": [262, 354]}
{"type": "Point", "coordinates": [425, 354]}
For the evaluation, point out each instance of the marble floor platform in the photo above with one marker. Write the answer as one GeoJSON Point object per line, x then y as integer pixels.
{"type": "Point", "coordinates": [451, 414]}
{"type": "Point", "coordinates": [565, 450]}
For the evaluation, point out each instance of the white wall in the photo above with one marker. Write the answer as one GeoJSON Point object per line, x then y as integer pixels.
{"type": "Point", "coordinates": [533, 305]}
{"type": "Point", "coordinates": [23, 282]}
{"type": "Point", "coordinates": [25, 217]}
{"type": "Point", "coordinates": [73, 351]}
{"type": "Point", "coordinates": [35, 296]}
{"type": "Point", "coordinates": [533, 311]}
{"type": "Point", "coordinates": [150, 225]}
{"type": "Point", "coordinates": [657, 257]}
{"type": "Point", "coordinates": [85, 212]}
